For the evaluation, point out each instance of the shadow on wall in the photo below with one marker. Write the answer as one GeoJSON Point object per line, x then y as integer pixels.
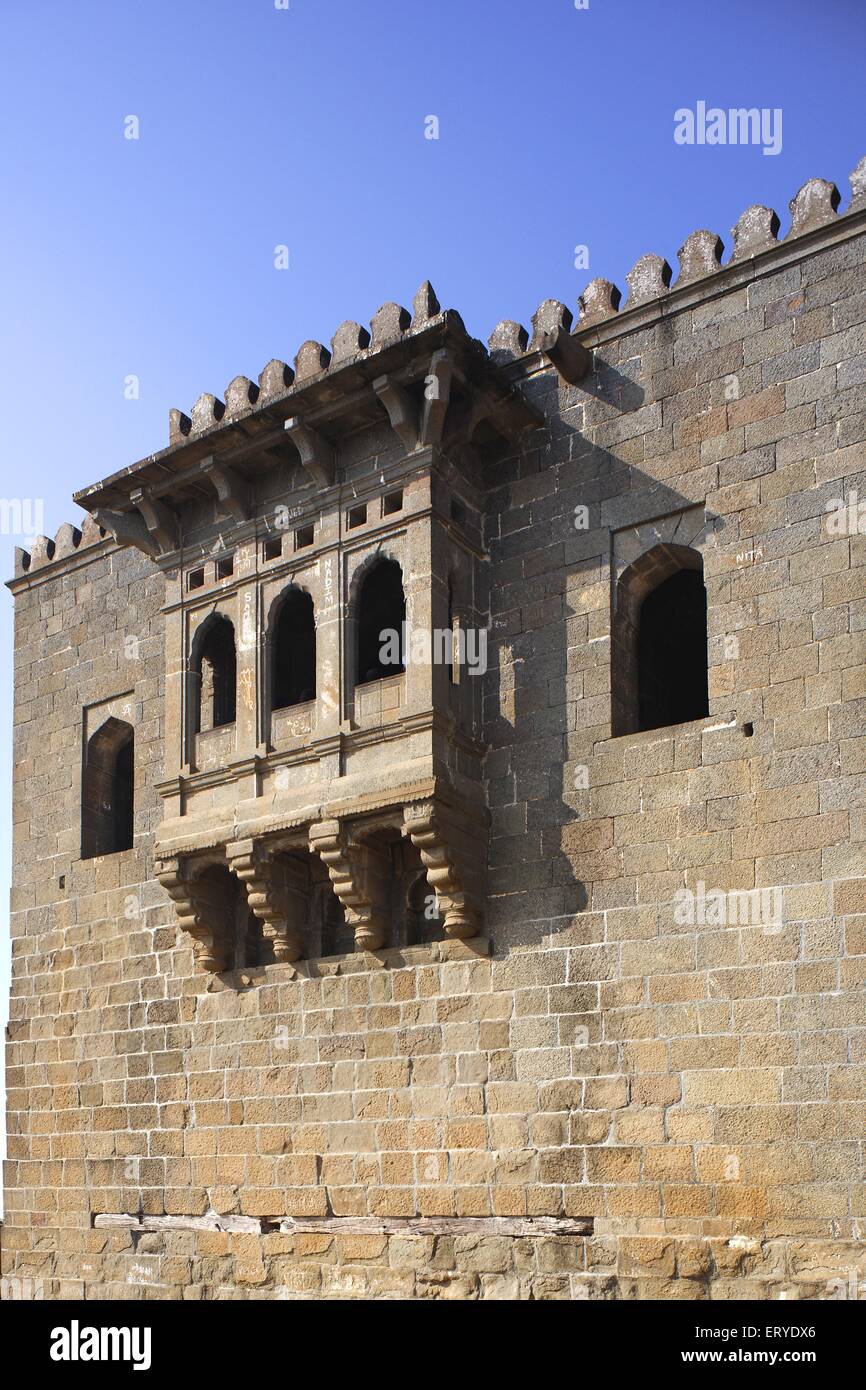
{"type": "Point", "coordinates": [599, 629]}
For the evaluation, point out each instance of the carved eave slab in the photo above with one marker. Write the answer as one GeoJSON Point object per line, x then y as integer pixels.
{"type": "Point", "coordinates": [434, 383]}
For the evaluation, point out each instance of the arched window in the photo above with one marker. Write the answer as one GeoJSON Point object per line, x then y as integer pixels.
{"type": "Point", "coordinates": [215, 674]}
{"type": "Point", "coordinates": [293, 650]}
{"type": "Point", "coordinates": [659, 642]}
{"type": "Point", "coordinates": [381, 618]}
{"type": "Point", "coordinates": [107, 791]}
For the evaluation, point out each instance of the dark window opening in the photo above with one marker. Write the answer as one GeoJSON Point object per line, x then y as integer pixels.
{"type": "Point", "coordinates": [424, 918]}
{"type": "Point", "coordinates": [294, 658]}
{"type": "Point", "coordinates": [381, 619]}
{"type": "Point", "coordinates": [337, 936]}
{"type": "Point", "coordinates": [304, 537]}
{"type": "Point", "coordinates": [215, 669]}
{"type": "Point", "coordinates": [195, 579]}
{"type": "Point", "coordinates": [392, 502]}
{"type": "Point", "coordinates": [357, 517]}
{"type": "Point", "coordinates": [272, 549]}
{"type": "Point", "coordinates": [672, 652]}
{"type": "Point", "coordinates": [238, 938]}
{"type": "Point", "coordinates": [225, 568]}
{"type": "Point", "coordinates": [458, 511]}
{"type": "Point", "coordinates": [108, 790]}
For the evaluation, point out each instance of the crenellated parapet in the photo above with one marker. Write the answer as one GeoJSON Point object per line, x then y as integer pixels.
{"type": "Point", "coordinates": [417, 368]}
{"type": "Point", "coordinates": [650, 280]}
{"type": "Point", "coordinates": [69, 542]}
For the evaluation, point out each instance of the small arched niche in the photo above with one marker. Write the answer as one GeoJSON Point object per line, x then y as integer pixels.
{"type": "Point", "coordinates": [108, 790]}
{"type": "Point", "coordinates": [659, 642]}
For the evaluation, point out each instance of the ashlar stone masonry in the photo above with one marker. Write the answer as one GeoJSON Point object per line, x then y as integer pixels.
{"type": "Point", "coordinates": [335, 978]}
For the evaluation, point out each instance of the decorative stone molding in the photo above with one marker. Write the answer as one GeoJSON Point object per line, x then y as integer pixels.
{"type": "Point", "coordinates": [358, 873]}
{"type": "Point", "coordinates": [452, 846]}
{"type": "Point", "coordinates": [198, 912]}
{"type": "Point", "coordinates": [277, 892]}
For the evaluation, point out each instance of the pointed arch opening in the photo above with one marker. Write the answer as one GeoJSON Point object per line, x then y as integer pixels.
{"type": "Point", "coordinates": [108, 790]}
{"type": "Point", "coordinates": [214, 670]}
{"type": "Point", "coordinates": [381, 610]}
{"type": "Point", "coordinates": [293, 649]}
{"type": "Point", "coordinates": [659, 673]}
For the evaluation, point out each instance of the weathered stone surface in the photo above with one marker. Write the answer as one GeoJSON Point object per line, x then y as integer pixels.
{"type": "Point", "coordinates": [241, 396]}
{"type": "Point", "coordinates": [207, 412]}
{"type": "Point", "coordinates": [349, 340]}
{"type": "Point", "coordinates": [507, 341]}
{"type": "Point", "coordinates": [388, 324]}
{"type": "Point", "coordinates": [648, 278]}
{"type": "Point", "coordinates": [857, 180]}
{"type": "Point", "coordinates": [756, 230]}
{"type": "Point", "coordinates": [425, 305]}
{"type": "Point", "coordinates": [548, 318]}
{"type": "Point", "coordinates": [179, 426]}
{"type": "Point", "coordinates": [241, 1069]}
{"type": "Point", "coordinates": [599, 300]}
{"type": "Point", "coordinates": [312, 359]}
{"type": "Point", "coordinates": [813, 206]}
{"type": "Point", "coordinates": [699, 255]}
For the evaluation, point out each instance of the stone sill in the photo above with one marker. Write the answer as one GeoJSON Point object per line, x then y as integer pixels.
{"type": "Point", "coordinates": [708, 724]}
{"type": "Point", "coordinates": [351, 963]}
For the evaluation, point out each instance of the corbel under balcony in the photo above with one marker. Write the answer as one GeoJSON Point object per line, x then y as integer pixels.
{"type": "Point", "coordinates": [276, 873]}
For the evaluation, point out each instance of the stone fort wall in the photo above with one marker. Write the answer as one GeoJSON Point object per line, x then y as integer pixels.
{"type": "Point", "coordinates": [603, 1096]}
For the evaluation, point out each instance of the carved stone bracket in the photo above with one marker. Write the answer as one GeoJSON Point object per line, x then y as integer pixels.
{"type": "Point", "coordinates": [277, 893]}
{"type": "Point", "coordinates": [359, 874]}
{"type": "Point", "coordinates": [437, 394]}
{"type": "Point", "coordinates": [317, 455]}
{"type": "Point", "coordinates": [401, 411]}
{"type": "Point", "coordinates": [198, 912]}
{"type": "Point", "coordinates": [127, 528]}
{"type": "Point", "coordinates": [161, 521]}
{"type": "Point", "coordinates": [231, 489]}
{"type": "Point", "coordinates": [452, 846]}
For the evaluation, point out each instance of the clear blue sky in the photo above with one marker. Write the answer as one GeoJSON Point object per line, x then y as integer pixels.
{"type": "Point", "coordinates": [262, 126]}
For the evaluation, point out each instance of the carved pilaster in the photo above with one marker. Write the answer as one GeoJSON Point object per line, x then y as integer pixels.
{"type": "Point", "coordinates": [198, 912]}
{"type": "Point", "coordinates": [358, 872]}
{"type": "Point", "coordinates": [453, 846]}
{"type": "Point", "coordinates": [276, 889]}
